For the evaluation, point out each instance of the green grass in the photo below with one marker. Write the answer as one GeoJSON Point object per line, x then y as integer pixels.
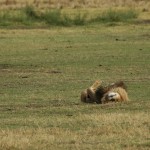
{"type": "Point", "coordinates": [113, 15]}
{"type": "Point", "coordinates": [31, 17]}
{"type": "Point", "coordinates": [42, 73]}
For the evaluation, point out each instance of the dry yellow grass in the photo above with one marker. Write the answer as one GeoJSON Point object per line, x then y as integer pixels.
{"type": "Point", "coordinates": [13, 4]}
{"type": "Point", "coordinates": [109, 131]}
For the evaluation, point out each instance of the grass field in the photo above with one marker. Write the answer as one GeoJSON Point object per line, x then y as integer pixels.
{"type": "Point", "coordinates": [43, 71]}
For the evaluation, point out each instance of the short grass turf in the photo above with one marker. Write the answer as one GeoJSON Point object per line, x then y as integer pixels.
{"type": "Point", "coordinates": [42, 73]}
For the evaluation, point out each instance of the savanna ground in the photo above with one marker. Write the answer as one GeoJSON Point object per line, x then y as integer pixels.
{"type": "Point", "coordinates": [43, 71]}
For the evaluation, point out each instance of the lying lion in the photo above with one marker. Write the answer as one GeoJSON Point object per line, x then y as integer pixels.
{"type": "Point", "coordinates": [116, 92]}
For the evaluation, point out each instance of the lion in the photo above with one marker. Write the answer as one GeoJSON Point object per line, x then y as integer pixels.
{"type": "Point", "coordinates": [100, 94]}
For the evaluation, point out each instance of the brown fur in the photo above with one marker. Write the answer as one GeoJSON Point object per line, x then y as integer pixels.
{"type": "Point", "coordinates": [88, 95]}
{"type": "Point", "coordinates": [99, 93]}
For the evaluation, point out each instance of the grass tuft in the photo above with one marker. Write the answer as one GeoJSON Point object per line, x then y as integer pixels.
{"type": "Point", "coordinates": [80, 19]}
{"type": "Point", "coordinates": [52, 17]}
{"type": "Point", "coordinates": [116, 16]}
{"type": "Point", "coordinates": [30, 12]}
{"type": "Point", "coordinates": [56, 17]}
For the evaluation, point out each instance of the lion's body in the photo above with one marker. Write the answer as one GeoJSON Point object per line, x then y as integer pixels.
{"type": "Point", "coordinates": [98, 93]}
